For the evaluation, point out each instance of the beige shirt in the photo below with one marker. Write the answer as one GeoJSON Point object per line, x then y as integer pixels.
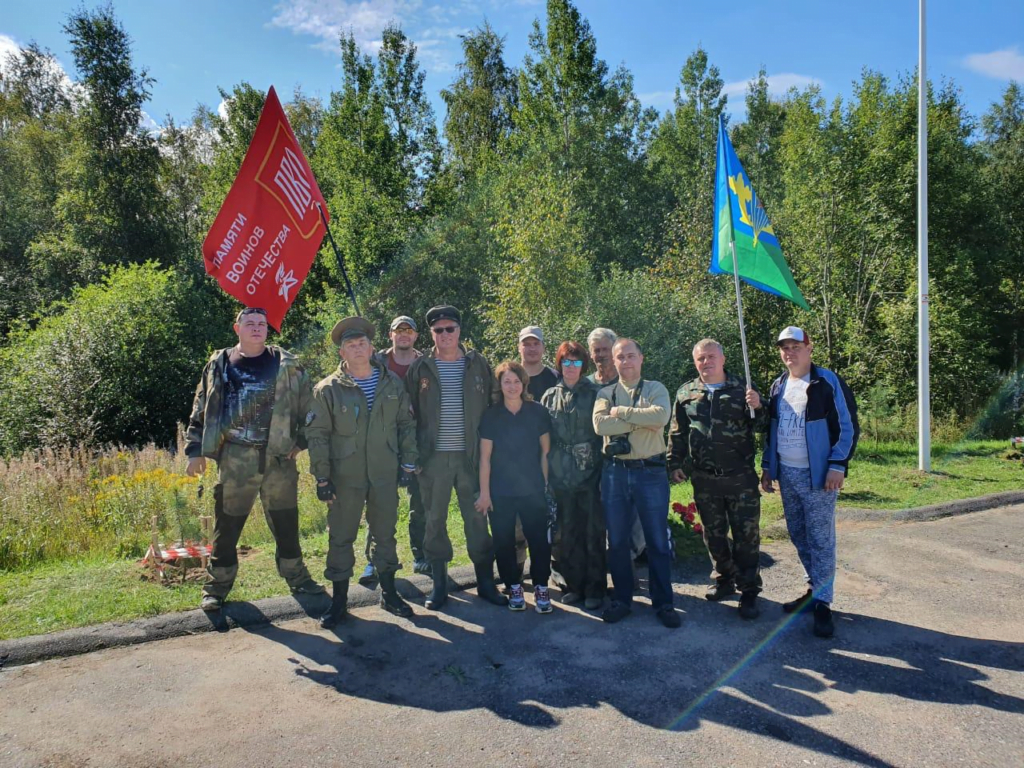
{"type": "Point", "coordinates": [645, 424]}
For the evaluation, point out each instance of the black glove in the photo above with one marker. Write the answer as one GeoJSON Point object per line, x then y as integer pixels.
{"type": "Point", "coordinates": [325, 489]}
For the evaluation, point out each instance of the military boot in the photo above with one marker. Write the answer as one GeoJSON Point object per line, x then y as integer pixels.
{"type": "Point", "coordinates": [439, 596]}
{"type": "Point", "coordinates": [338, 611]}
{"type": "Point", "coordinates": [485, 584]}
{"type": "Point", "coordinates": [390, 600]}
{"type": "Point", "coordinates": [219, 580]}
{"type": "Point", "coordinates": [294, 571]}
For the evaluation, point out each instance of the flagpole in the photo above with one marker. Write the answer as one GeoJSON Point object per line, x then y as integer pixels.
{"type": "Point", "coordinates": [739, 312]}
{"type": "Point", "coordinates": [341, 262]}
{"type": "Point", "coordinates": [924, 437]}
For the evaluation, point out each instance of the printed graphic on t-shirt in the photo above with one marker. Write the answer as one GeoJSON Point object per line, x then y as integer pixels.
{"type": "Point", "coordinates": [249, 399]}
{"type": "Point", "coordinates": [792, 414]}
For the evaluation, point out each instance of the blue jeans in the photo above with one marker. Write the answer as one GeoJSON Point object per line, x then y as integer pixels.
{"type": "Point", "coordinates": [644, 489]}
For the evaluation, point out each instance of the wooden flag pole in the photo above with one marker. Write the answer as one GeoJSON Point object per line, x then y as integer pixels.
{"type": "Point", "coordinates": [739, 312]}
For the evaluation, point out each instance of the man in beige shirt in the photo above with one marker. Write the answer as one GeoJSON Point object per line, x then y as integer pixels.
{"type": "Point", "coordinates": [632, 415]}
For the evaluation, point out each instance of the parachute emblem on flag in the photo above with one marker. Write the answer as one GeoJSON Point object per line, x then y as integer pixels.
{"type": "Point", "coordinates": [752, 212]}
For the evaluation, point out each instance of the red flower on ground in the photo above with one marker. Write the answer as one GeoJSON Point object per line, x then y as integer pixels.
{"type": "Point", "coordinates": [698, 528]}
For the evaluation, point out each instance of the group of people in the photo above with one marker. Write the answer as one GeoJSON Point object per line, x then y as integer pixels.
{"type": "Point", "coordinates": [570, 464]}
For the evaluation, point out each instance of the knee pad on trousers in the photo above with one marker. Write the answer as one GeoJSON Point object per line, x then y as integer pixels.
{"type": "Point", "coordinates": [286, 530]}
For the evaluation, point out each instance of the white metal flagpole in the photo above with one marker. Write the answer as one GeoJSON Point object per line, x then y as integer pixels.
{"type": "Point", "coordinates": [924, 435]}
{"type": "Point", "coordinates": [739, 312]}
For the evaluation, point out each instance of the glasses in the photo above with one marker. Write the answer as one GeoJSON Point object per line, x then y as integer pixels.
{"type": "Point", "coordinates": [403, 329]}
{"type": "Point", "coordinates": [253, 311]}
{"type": "Point", "coordinates": [572, 363]}
{"type": "Point", "coordinates": [445, 329]}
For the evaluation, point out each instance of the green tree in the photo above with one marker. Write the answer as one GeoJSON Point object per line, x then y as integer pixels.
{"type": "Point", "coordinates": [683, 161]}
{"type": "Point", "coordinates": [117, 364]}
{"type": "Point", "coordinates": [109, 210]}
{"type": "Point", "coordinates": [481, 102]}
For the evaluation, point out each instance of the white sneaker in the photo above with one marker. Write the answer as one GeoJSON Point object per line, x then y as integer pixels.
{"type": "Point", "coordinates": [543, 599]}
{"type": "Point", "coordinates": [516, 600]}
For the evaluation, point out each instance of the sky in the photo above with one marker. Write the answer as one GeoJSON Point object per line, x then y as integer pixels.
{"type": "Point", "coordinates": [192, 48]}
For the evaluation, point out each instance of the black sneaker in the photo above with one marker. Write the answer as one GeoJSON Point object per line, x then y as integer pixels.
{"type": "Point", "coordinates": [748, 606]}
{"type": "Point", "coordinates": [667, 615]}
{"type": "Point", "coordinates": [720, 591]}
{"type": "Point", "coordinates": [799, 605]}
{"type": "Point", "coordinates": [615, 612]}
{"type": "Point", "coordinates": [823, 624]}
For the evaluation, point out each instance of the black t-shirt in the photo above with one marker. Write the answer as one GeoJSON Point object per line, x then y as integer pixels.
{"type": "Point", "coordinates": [541, 383]}
{"type": "Point", "coordinates": [515, 459]}
{"type": "Point", "coordinates": [249, 397]}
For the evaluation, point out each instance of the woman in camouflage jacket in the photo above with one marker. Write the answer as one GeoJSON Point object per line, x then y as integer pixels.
{"type": "Point", "coordinates": [574, 476]}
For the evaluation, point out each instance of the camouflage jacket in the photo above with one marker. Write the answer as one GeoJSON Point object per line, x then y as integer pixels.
{"type": "Point", "coordinates": [711, 430]}
{"type": "Point", "coordinates": [424, 387]}
{"type": "Point", "coordinates": [292, 396]}
{"type": "Point", "coordinates": [354, 447]}
{"type": "Point", "coordinates": [575, 457]}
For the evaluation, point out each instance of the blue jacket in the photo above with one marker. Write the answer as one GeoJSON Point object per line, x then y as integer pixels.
{"type": "Point", "coordinates": [830, 425]}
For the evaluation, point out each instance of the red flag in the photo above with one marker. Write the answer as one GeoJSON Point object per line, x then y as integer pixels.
{"type": "Point", "coordinates": [268, 230]}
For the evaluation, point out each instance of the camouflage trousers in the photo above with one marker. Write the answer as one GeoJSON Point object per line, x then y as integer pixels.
{"type": "Point", "coordinates": [582, 558]}
{"type": "Point", "coordinates": [731, 504]}
{"type": "Point", "coordinates": [243, 473]}
{"type": "Point", "coordinates": [343, 516]}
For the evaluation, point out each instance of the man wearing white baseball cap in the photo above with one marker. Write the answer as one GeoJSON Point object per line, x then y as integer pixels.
{"type": "Point", "coordinates": [812, 437]}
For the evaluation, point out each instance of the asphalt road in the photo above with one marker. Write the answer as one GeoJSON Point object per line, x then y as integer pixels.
{"type": "Point", "coordinates": [925, 670]}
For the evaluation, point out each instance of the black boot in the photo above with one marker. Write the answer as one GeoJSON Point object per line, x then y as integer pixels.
{"type": "Point", "coordinates": [799, 605]}
{"type": "Point", "coordinates": [485, 584]}
{"type": "Point", "coordinates": [439, 595]}
{"type": "Point", "coordinates": [339, 606]}
{"type": "Point", "coordinates": [390, 600]}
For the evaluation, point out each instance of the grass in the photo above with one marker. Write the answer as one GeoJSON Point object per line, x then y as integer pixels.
{"type": "Point", "coordinates": [78, 572]}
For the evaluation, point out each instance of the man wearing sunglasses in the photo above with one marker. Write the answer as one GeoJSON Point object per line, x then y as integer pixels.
{"type": "Point", "coordinates": [249, 416]}
{"type": "Point", "coordinates": [450, 387]}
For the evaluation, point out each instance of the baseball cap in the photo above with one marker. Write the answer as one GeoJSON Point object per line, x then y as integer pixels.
{"type": "Point", "coordinates": [403, 320]}
{"type": "Point", "coordinates": [534, 331]}
{"type": "Point", "coordinates": [792, 333]}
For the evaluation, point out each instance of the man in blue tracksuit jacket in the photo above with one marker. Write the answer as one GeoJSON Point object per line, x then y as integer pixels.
{"type": "Point", "coordinates": [811, 439]}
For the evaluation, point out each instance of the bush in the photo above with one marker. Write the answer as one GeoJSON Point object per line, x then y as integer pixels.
{"type": "Point", "coordinates": [117, 363]}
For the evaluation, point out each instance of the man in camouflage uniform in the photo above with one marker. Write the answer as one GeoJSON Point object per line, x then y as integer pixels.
{"type": "Point", "coordinates": [248, 417]}
{"type": "Point", "coordinates": [360, 431]}
{"type": "Point", "coordinates": [711, 442]}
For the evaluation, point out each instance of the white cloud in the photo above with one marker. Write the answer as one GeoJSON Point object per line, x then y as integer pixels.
{"type": "Point", "coordinates": [1007, 64]}
{"type": "Point", "coordinates": [7, 46]}
{"type": "Point", "coordinates": [778, 85]}
{"type": "Point", "coordinates": [431, 28]}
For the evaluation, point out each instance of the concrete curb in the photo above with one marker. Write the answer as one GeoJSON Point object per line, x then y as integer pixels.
{"type": "Point", "coordinates": [72, 642]}
{"type": "Point", "coordinates": [777, 530]}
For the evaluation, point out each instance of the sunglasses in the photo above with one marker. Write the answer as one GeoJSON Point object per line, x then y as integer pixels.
{"type": "Point", "coordinates": [446, 329]}
{"type": "Point", "coordinates": [404, 329]}
{"type": "Point", "coordinates": [572, 363]}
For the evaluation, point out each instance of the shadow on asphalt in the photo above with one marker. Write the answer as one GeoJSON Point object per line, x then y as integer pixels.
{"type": "Point", "coordinates": [754, 676]}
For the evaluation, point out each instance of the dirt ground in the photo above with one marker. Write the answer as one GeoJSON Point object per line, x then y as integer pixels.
{"type": "Point", "coordinates": [925, 670]}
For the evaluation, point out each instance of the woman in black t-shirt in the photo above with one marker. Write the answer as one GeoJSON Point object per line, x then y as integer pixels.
{"type": "Point", "coordinates": [514, 443]}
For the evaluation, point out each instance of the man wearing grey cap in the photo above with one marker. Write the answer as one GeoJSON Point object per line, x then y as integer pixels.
{"type": "Point", "coordinates": [531, 355]}
{"type": "Point", "coordinates": [360, 431]}
{"type": "Point", "coordinates": [812, 436]}
{"type": "Point", "coordinates": [450, 387]}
